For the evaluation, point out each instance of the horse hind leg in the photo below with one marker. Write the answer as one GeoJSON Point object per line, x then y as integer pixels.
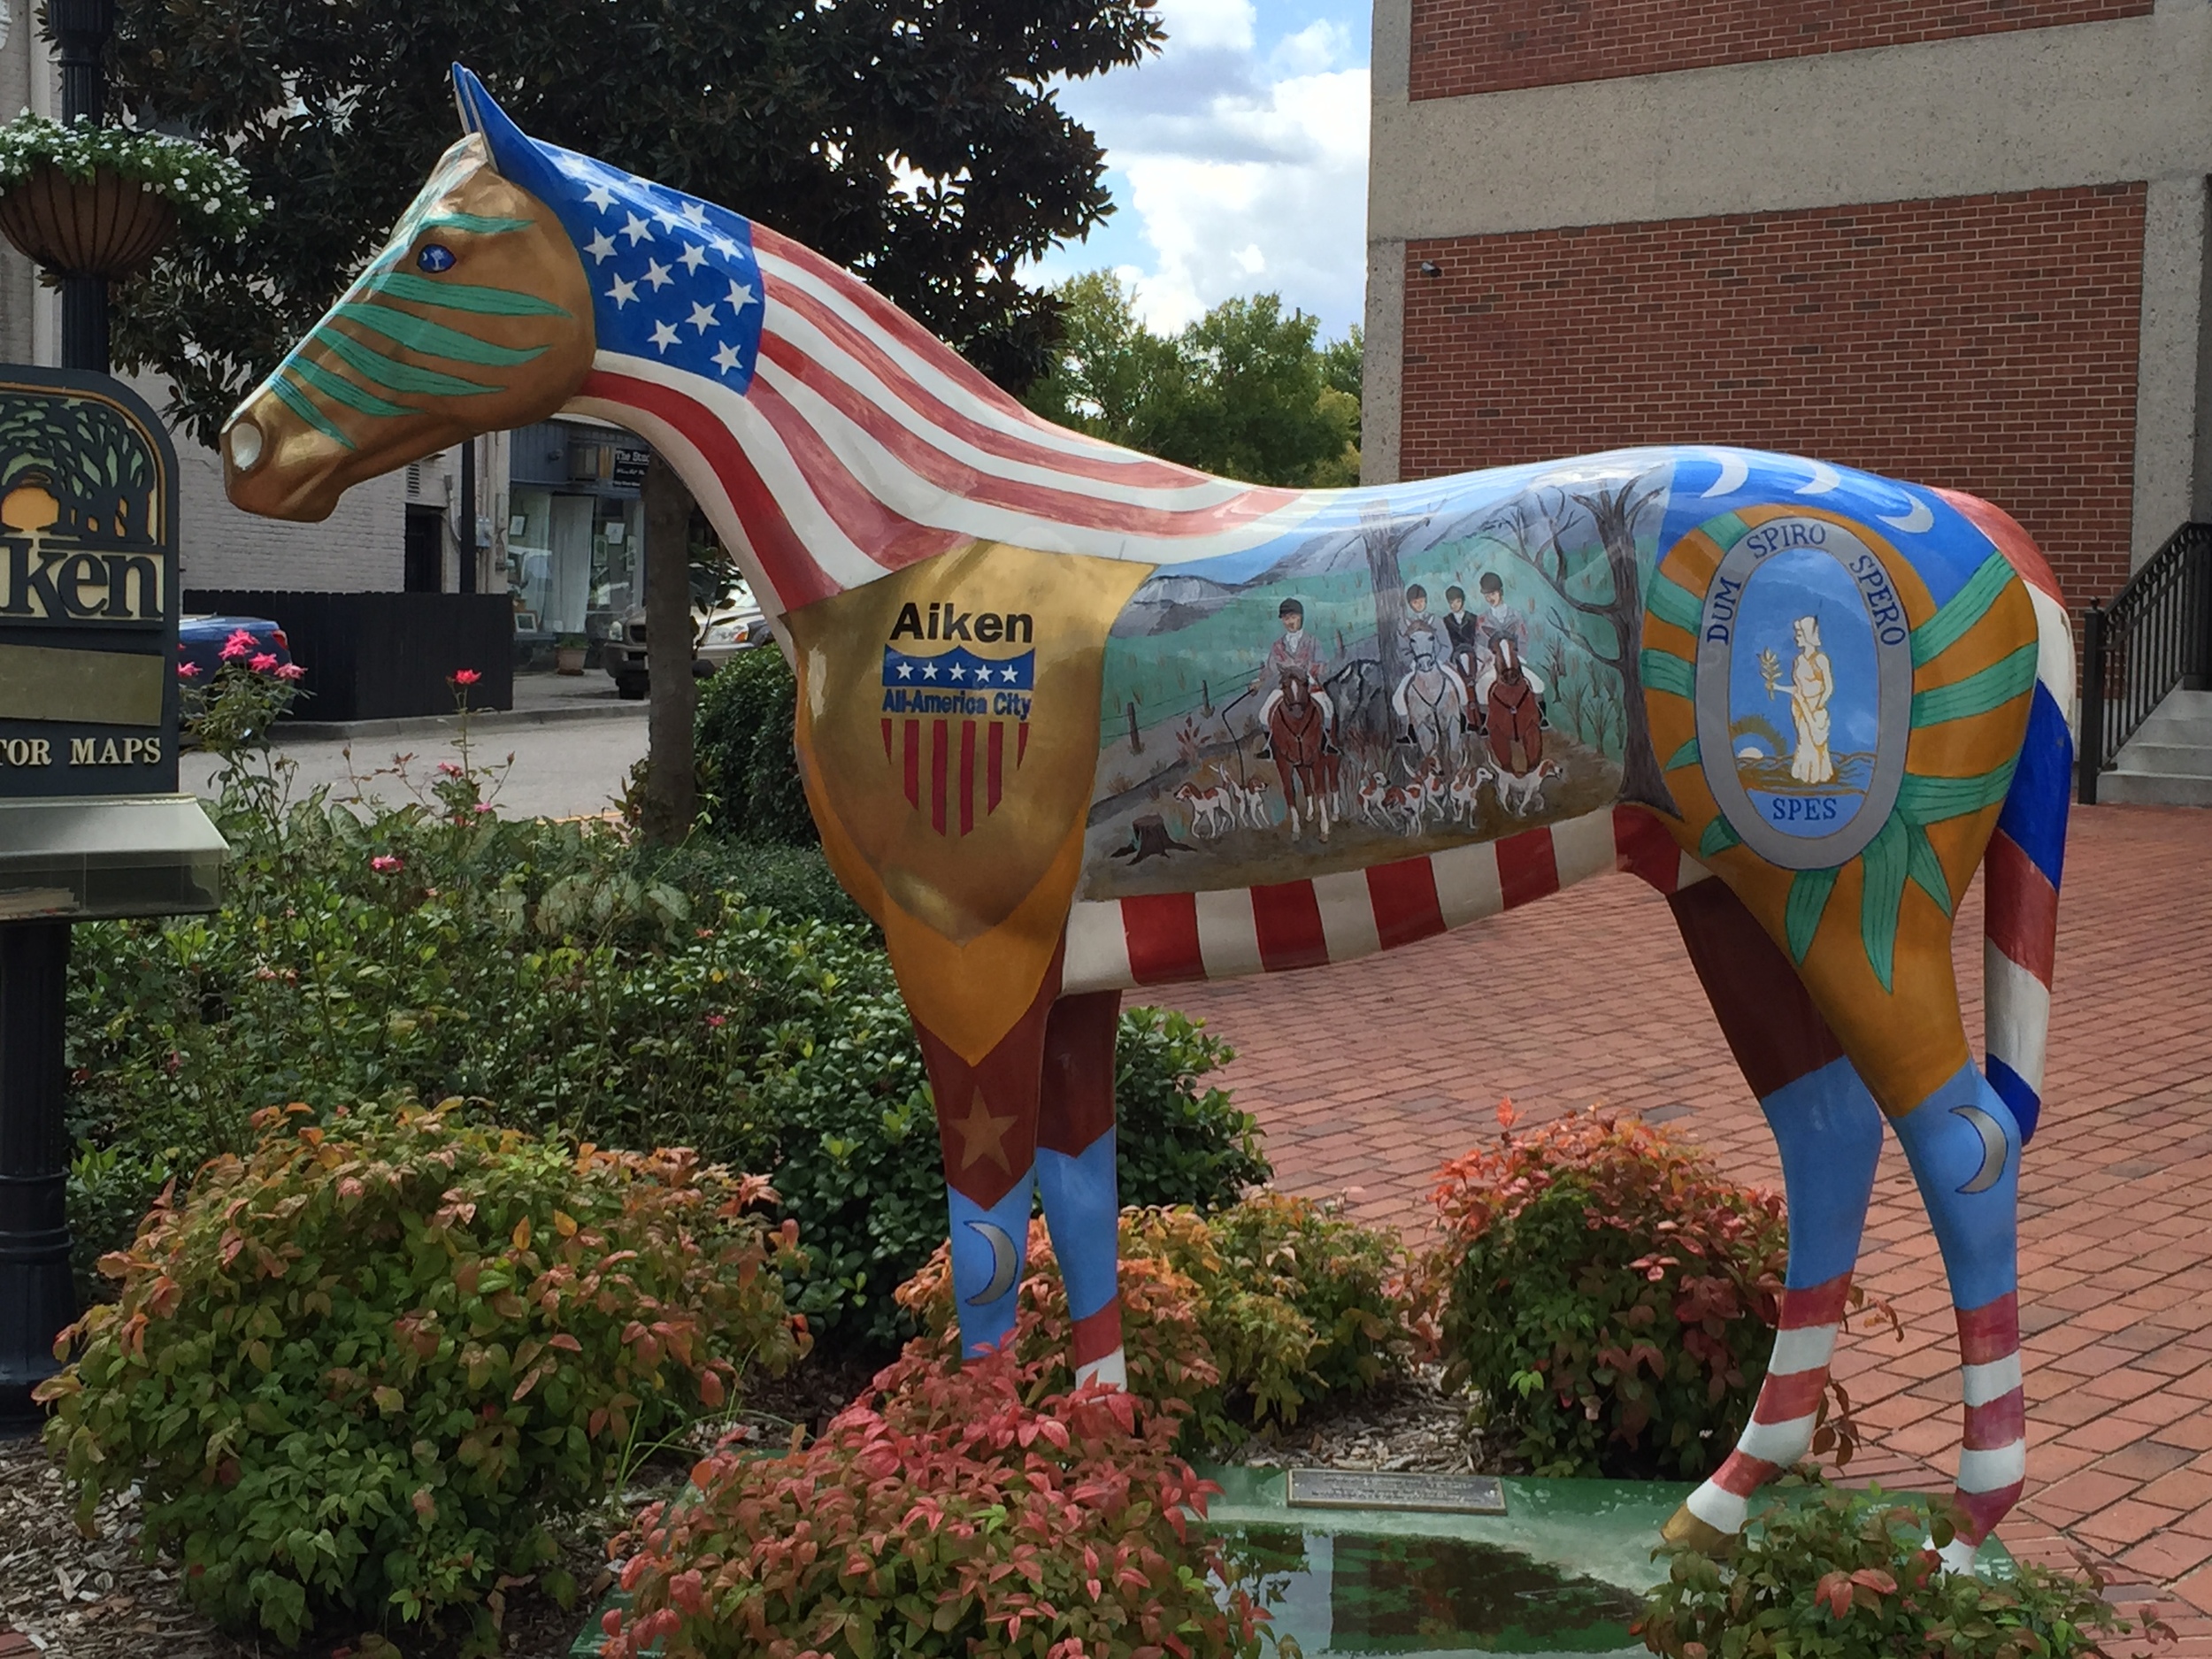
{"type": "Point", "coordinates": [1077, 1176]}
{"type": "Point", "coordinates": [1829, 1132]}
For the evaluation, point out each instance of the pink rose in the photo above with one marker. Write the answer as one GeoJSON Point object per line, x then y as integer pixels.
{"type": "Point", "coordinates": [240, 643]}
{"type": "Point", "coordinates": [188, 671]}
{"type": "Point", "coordinates": [263, 664]}
{"type": "Point", "coordinates": [290, 671]}
{"type": "Point", "coordinates": [466, 677]}
{"type": "Point", "coordinates": [384, 864]}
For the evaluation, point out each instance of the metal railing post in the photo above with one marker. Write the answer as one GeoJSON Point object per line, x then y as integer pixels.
{"type": "Point", "coordinates": [2091, 756]}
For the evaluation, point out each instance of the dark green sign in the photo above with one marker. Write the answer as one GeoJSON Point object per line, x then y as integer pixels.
{"type": "Point", "coordinates": [87, 588]}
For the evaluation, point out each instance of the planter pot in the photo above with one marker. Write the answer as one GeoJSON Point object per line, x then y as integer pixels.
{"type": "Point", "coordinates": [568, 659]}
{"type": "Point", "coordinates": [105, 226]}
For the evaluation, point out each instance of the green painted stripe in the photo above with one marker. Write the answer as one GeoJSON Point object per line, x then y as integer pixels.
{"type": "Point", "coordinates": [462, 297]}
{"type": "Point", "coordinates": [1800, 917]}
{"type": "Point", "coordinates": [1932, 800]}
{"type": "Point", "coordinates": [433, 340]}
{"type": "Point", "coordinates": [400, 377]}
{"type": "Point", "coordinates": [1726, 531]}
{"type": "Point", "coordinates": [296, 401]}
{"type": "Point", "coordinates": [341, 390]}
{"type": "Point", "coordinates": [1670, 602]}
{"type": "Point", "coordinates": [1925, 869]}
{"type": "Point", "coordinates": [1978, 693]}
{"type": "Point", "coordinates": [1686, 755]}
{"type": "Point", "coordinates": [1719, 836]}
{"type": "Point", "coordinates": [1663, 671]}
{"type": "Point", "coordinates": [1884, 862]}
{"type": "Point", "coordinates": [1940, 632]}
{"type": "Point", "coordinates": [475, 224]}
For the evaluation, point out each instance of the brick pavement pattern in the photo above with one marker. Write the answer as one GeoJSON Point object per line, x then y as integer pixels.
{"type": "Point", "coordinates": [1366, 1077]}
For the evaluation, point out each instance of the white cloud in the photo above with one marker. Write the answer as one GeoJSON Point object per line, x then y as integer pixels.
{"type": "Point", "coordinates": [1240, 165]}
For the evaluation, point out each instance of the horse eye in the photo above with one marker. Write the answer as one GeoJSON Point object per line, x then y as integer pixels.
{"type": "Point", "coordinates": [436, 257]}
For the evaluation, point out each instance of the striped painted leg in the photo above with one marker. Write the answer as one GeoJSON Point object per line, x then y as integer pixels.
{"type": "Point", "coordinates": [1963, 1143]}
{"type": "Point", "coordinates": [1829, 1132]}
{"type": "Point", "coordinates": [1076, 1176]}
{"type": "Point", "coordinates": [987, 1120]}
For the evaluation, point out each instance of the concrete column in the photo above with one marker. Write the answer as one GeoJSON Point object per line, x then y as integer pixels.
{"type": "Point", "coordinates": [1383, 379]}
{"type": "Point", "coordinates": [2169, 487]}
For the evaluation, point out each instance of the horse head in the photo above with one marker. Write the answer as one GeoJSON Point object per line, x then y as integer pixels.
{"type": "Point", "coordinates": [1297, 688]}
{"type": "Point", "coordinates": [474, 316]}
{"type": "Point", "coordinates": [1505, 657]}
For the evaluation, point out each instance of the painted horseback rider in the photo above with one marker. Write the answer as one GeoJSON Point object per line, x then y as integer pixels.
{"type": "Point", "coordinates": [1501, 621]}
{"type": "Point", "coordinates": [1296, 651]}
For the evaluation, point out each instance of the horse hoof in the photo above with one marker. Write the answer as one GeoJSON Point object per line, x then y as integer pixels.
{"type": "Point", "coordinates": [1692, 1532]}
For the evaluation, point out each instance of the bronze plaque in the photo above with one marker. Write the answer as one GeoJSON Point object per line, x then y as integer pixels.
{"type": "Point", "coordinates": [1394, 1489]}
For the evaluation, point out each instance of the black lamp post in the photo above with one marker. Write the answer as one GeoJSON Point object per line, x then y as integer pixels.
{"type": "Point", "coordinates": [36, 1295]}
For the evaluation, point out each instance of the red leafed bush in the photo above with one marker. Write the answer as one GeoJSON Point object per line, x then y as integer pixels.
{"type": "Point", "coordinates": [944, 1514]}
{"type": "Point", "coordinates": [1611, 1295]}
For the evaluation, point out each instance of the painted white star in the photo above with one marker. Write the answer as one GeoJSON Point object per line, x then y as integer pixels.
{"type": "Point", "coordinates": [696, 211]}
{"type": "Point", "coordinates": [906, 670]}
{"type": "Point", "coordinates": [702, 318]}
{"type": "Point", "coordinates": [959, 673]}
{"type": "Point", "coordinates": [666, 219]}
{"type": "Point", "coordinates": [575, 167]}
{"type": "Point", "coordinates": [636, 230]}
{"type": "Point", "coordinates": [929, 671]}
{"type": "Point", "coordinates": [663, 337]}
{"type": "Point", "coordinates": [600, 197]}
{"type": "Point", "coordinates": [657, 273]}
{"type": "Point", "coordinates": [691, 257]}
{"type": "Point", "coordinates": [726, 358]}
{"type": "Point", "coordinates": [740, 296]}
{"type": "Point", "coordinates": [600, 248]}
{"type": "Point", "coordinates": [723, 245]}
{"type": "Point", "coordinates": [622, 293]}
{"type": "Point", "coordinates": [1010, 676]}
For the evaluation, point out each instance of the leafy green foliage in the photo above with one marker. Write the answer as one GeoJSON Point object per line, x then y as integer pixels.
{"type": "Point", "coordinates": [1847, 1575]}
{"type": "Point", "coordinates": [1243, 392]}
{"type": "Point", "coordinates": [955, 1512]}
{"type": "Point", "coordinates": [208, 189]}
{"type": "Point", "coordinates": [351, 1372]}
{"type": "Point", "coordinates": [1280, 1302]}
{"type": "Point", "coordinates": [1611, 1295]}
{"type": "Point", "coordinates": [748, 769]}
{"type": "Point", "coordinates": [924, 149]}
{"type": "Point", "coordinates": [617, 994]}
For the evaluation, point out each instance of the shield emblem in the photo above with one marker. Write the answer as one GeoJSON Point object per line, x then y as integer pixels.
{"type": "Point", "coordinates": [956, 724]}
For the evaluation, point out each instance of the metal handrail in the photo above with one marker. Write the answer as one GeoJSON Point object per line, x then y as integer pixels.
{"type": "Point", "coordinates": [2153, 636]}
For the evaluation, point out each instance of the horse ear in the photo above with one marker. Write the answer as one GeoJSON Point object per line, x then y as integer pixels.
{"type": "Point", "coordinates": [515, 155]}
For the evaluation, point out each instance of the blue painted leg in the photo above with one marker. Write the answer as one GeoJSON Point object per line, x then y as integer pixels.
{"type": "Point", "coordinates": [1078, 1179]}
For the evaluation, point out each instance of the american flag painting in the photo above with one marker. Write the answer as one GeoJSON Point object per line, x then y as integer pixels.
{"type": "Point", "coordinates": [957, 724]}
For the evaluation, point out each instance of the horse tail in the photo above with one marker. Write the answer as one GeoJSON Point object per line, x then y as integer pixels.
{"type": "Point", "coordinates": [2027, 855]}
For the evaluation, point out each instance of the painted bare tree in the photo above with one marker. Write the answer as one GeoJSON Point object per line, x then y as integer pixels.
{"type": "Point", "coordinates": [1610, 573]}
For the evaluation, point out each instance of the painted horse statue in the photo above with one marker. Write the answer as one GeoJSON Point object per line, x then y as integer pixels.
{"type": "Point", "coordinates": [1299, 738]}
{"type": "Point", "coordinates": [985, 612]}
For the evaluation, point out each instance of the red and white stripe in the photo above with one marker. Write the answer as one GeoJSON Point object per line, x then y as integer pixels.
{"type": "Point", "coordinates": [1122, 944]}
{"type": "Point", "coordinates": [1781, 1427]}
{"type": "Point", "coordinates": [865, 444]}
{"type": "Point", "coordinates": [1993, 1457]}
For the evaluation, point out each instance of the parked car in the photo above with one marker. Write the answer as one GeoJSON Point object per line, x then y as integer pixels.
{"type": "Point", "coordinates": [200, 640]}
{"type": "Point", "coordinates": [735, 625]}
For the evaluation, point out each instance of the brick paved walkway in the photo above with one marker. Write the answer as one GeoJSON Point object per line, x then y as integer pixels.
{"type": "Point", "coordinates": [1366, 1077]}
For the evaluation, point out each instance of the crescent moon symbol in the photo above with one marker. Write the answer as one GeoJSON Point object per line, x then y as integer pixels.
{"type": "Point", "coordinates": [1003, 1262]}
{"type": "Point", "coordinates": [1733, 471]}
{"type": "Point", "coordinates": [1992, 1136]}
{"type": "Point", "coordinates": [1825, 478]}
{"type": "Point", "coordinates": [1913, 523]}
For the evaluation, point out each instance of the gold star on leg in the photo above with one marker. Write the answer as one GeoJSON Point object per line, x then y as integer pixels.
{"type": "Point", "coordinates": [983, 1135]}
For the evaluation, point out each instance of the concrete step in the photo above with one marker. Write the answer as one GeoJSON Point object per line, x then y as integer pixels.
{"type": "Point", "coordinates": [2181, 760]}
{"type": "Point", "coordinates": [2165, 726]}
{"type": "Point", "coordinates": [2153, 788]}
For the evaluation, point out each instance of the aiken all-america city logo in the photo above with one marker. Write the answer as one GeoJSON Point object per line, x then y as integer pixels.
{"type": "Point", "coordinates": [955, 722]}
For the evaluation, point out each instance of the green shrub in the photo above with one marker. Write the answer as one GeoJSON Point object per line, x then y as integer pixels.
{"type": "Point", "coordinates": [1281, 1302]}
{"type": "Point", "coordinates": [945, 1517]}
{"type": "Point", "coordinates": [794, 882]}
{"type": "Point", "coordinates": [1847, 1575]}
{"type": "Point", "coordinates": [351, 1374]}
{"type": "Point", "coordinates": [1609, 1294]}
{"type": "Point", "coordinates": [748, 769]}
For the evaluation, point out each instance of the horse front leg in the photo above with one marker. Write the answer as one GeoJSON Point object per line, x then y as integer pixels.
{"type": "Point", "coordinates": [1077, 1176]}
{"type": "Point", "coordinates": [987, 1123]}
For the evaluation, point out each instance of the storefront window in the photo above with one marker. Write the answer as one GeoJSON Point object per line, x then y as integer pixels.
{"type": "Point", "coordinates": [530, 558]}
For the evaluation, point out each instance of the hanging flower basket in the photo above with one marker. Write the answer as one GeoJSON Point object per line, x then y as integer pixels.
{"type": "Point", "coordinates": [100, 201]}
{"type": "Point", "coordinates": [103, 227]}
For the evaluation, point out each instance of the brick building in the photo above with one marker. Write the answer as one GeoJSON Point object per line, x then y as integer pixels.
{"type": "Point", "coordinates": [1959, 242]}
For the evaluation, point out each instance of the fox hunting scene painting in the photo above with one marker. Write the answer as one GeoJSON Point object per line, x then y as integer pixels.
{"type": "Point", "coordinates": [1074, 721]}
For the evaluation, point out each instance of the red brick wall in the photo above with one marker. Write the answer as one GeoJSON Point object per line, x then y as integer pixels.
{"type": "Point", "coordinates": [1462, 46]}
{"type": "Point", "coordinates": [1985, 344]}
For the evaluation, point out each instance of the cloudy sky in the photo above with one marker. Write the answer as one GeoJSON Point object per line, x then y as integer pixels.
{"type": "Point", "coordinates": [1238, 161]}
